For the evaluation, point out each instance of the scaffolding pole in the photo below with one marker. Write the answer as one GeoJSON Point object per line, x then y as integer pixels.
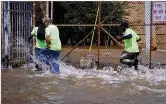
{"type": "Point", "coordinates": [51, 9]}
{"type": "Point", "coordinates": [150, 55]}
{"type": "Point", "coordinates": [34, 5]}
{"type": "Point", "coordinates": [99, 27]}
{"type": "Point", "coordinates": [47, 9]}
{"type": "Point", "coordinates": [2, 29]}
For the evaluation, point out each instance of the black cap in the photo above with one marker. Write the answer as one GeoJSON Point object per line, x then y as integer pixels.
{"type": "Point", "coordinates": [124, 24]}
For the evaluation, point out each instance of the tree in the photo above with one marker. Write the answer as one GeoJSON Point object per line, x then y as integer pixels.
{"type": "Point", "coordinates": [83, 12]}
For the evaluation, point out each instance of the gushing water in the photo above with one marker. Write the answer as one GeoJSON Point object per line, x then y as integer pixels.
{"type": "Point", "coordinates": [111, 76]}
{"type": "Point", "coordinates": [156, 76]}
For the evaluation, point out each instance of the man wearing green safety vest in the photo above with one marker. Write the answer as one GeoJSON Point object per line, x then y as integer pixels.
{"type": "Point", "coordinates": [53, 45]}
{"type": "Point", "coordinates": [131, 49]}
{"type": "Point", "coordinates": [38, 42]}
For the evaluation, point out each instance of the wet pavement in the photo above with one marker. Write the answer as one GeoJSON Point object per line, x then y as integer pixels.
{"type": "Point", "coordinates": [21, 86]}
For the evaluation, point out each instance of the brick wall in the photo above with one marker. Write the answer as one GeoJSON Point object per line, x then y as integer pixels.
{"type": "Point", "coordinates": [134, 13]}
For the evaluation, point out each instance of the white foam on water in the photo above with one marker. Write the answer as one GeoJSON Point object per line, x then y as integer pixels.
{"type": "Point", "coordinates": [141, 88]}
{"type": "Point", "coordinates": [153, 76]}
{"type": "Point", "coordinates": [45, 74]}
{"type": "Point", "coordinates": [110, 76]}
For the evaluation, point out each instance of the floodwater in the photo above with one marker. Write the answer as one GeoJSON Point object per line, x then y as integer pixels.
{"type": "Point", "coordinates": [88, 86]}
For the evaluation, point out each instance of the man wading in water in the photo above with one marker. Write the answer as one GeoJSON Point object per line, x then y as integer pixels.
{"type": "Point", "coordinates": [39, 42]}
{"type": "Point", "coordinates": [53, 45]}
{"type": "Point", "coordinates": [131, 49]}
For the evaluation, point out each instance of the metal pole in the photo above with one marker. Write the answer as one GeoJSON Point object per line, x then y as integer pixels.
{"type": "Point", "coordinates": [2, 28]}
{"type": "Point", "coordinates": [99, 27]}
{"type": "Point", "coordinates": [17, 28]}
{"type": "Point", "coordinates": [76, 45]}
{"type": "Point", "coordinates": [147, 24]}
{"type": "Point", "coordinates": [12, 25]}
{"type": "Point", "coordinates": [113, 11]}
{"type": "Point", "coordinates": [34, 5]}
{"type": "Point", "coordinates": [14, 33]}
{"type": "Point", "coordinates": [150, 57]}
{"type": "Point", "coordinates": [52, 9]}
{"type": "Point", "coordinates": [9, 32]}
{"type": "Point", "coordinates": [111, 37]}
{"type": "Point", "coordinates": [47, 9]}
{"type": "Point", "coordinates": [23, 53]}
{"type": "Point", "coordinates": [28, 24]}
{"type": "Point", "coordinates": [25, 26]}
{"type": "Point", "coordinates": [33, 19]}
{"type": "Point", "coordinates": [19, 37]}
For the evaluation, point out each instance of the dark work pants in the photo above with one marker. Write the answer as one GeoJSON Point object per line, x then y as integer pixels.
{"type": "Point", "coordinates": [130, 59]}
{"type": "Point", "coordinates": [51, 59]}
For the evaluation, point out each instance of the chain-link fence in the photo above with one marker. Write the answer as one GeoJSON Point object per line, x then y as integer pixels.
{"type": "Point", "coordinates": [84, 45]}
{"type": "Point", "coordinates": [109, 51]}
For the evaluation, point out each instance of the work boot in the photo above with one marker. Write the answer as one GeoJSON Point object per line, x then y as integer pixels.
{"type": "Point", "coordinates": [37, 68]}
{"type": "Point", "coordinates": [130, 65]}
{"type": "Point", "coordinates": [136, 64]}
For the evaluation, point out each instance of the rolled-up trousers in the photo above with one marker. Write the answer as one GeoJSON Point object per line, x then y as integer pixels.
{"type": "Point", "coordinates": [129, 58]}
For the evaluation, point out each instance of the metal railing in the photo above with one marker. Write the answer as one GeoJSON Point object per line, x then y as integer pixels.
{"type": "Point", "coordinates": [17, 30]}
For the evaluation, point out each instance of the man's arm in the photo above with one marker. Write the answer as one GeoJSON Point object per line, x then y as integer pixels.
{"type": "Point", "coordinates": [127, 36]}
{"type": "Point", "coordinates": [33, 36]}
{"type": "Point", "coordinates": [48, 37]}
{"type": "Point", "coordinates": [48, 40]}
{"type": "Point", "coordinates": [139, 40]}
{"type": "Point", "coordinates": [34, 41]}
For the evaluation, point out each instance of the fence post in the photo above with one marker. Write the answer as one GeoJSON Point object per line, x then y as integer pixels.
{"type": "Point", "coordinates": [150, 56]}
{"type": "Point", "coordinates": [47, 9]}
{"type": "Point", "coordinates": [34, 6]}
{"type": "Point", "coordinates": [2, 28]}
{"type": "Point", "coordinates": [52, 10]}
{"type": "Point", "coordinates": [99, 27]}
{"type": "Point", "coordinates": [147, 24]}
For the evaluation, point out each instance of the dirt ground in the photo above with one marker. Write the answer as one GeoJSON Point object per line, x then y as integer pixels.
{"type": "Point", "coordinates": [112, 56]}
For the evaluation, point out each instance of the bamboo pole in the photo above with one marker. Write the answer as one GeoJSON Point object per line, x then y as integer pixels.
{"type": "Point", "coordinates": [94, 29]}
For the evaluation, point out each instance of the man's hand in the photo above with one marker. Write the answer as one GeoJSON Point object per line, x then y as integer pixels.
{"type": "Point", "coordinates": [121, 45]}
{"type": "Point", "coordinates": [34, 42]}
{"type": "Point", "coordinates": [48, 46]}
{"type": "Point", "coordinates": [30, 37]}
{"type": "Point", "coordinates": [48, 41]}
{"type": "Point", "coordinates": [119, 38]}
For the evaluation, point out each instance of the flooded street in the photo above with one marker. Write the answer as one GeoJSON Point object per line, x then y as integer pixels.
{"type": "Point", "coordinates": [76, 86]}
{"type": "Point", "coordinates": [77, 38]}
